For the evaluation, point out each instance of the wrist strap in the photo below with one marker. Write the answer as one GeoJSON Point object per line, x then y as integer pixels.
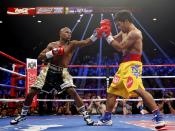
{"type": "Point", "coordinates": [49, 54]}
{"type": "Point", "coordinates": [109, 39]}
{"type": "Point", "coordinates": [93, 38]}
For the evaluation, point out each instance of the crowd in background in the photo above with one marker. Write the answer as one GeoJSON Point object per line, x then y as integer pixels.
{"type": "Point", "coordinates": [94, 107]}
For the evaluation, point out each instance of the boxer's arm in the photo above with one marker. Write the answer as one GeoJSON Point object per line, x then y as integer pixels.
{"type": "Point", "coordinates": [82, 43]}
{"type": "Point", "coordinates": [118, 38]}
{"type": "Point", "coordinates": [126, 42]}
{"type": "Point", "coordinates": [42, 55]}
{"type": "Point", "coordinates": [96, 34]}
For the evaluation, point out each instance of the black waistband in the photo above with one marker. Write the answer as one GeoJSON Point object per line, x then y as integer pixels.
{"type": "Point", "coordinates": [56, 68]}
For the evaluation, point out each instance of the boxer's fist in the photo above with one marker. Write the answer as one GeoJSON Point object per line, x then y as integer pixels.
{"type": "Point", "coordinates": [106, 30]}
{"type": "Point", "coordinates": [58, 51]}
{"type": "Point", "coordinates": [105, 22]}
{"type": "Point", "coordinates": [97, 34]}
{"type": "Point", "coordinates": [105, 26]}
{"type": "Point", "coordinates": [55, 52]}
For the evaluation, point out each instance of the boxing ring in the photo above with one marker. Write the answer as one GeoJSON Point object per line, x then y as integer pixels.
{"type": "Point", "coordinates": [132, 122]}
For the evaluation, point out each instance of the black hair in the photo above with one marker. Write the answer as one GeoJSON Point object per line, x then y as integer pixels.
{"type": "Point", "coordinates": [124, 15]}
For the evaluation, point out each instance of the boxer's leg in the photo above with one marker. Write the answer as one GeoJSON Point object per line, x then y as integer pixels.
{"type": "Point", "coordinates": [26, 106]}
{"type": "Point", "coordinates": [151, 104]}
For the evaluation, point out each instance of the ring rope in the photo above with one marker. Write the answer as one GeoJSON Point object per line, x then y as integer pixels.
{"type": "Point", "coordinates": [112, 66]}
{"type": "Point", "coordinates": [85, 100]}
{"type": "Point", "coordinates": [12, 58]}
{"type": "Point", "coordinates": [145, 89]}
{"type": "Point", "coordinates": [111, 77]}
{"type": "Point", "coordinates": [10, 71]}
{"type": "Point", "coordinates": [4, 85]}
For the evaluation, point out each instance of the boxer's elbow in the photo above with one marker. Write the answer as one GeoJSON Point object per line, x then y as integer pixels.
{"type": "Point", "coordinates": [41, 57]}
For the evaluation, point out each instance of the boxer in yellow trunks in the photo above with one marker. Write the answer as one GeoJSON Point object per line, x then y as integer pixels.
{"type": "Point", "coordinates": [127, 81]}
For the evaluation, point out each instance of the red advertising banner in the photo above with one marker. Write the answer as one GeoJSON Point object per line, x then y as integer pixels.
{"type": "Point", "coordinates": [21, 11]}
{"type": "Point", "coordinates": [31, 76]}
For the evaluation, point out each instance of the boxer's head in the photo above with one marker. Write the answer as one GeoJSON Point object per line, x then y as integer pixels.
{"type": "Point", "coordinates": [123, 20]}
{"type": "Point", "coordinates": [65, 34]}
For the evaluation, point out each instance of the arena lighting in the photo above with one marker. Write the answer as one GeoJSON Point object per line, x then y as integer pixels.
{"type": "Point", "coordinates": [78, 20]}
{"type": "Point", "coordinates": [112, 15]}
{"type": "Point", "coordinates": [154, 19]}
{"type": "Point", "coordinates": [76, 52]}
{"type": "Point", "coordinates": [39, 21]}
{"type": "Point", "coordinates": [100, 59]}
{"type": "Point", "coordinates": [76, 23]}
{"type": "Point", "coordinates": [100, 48]}
{"type": "Point", "coordinates": [152, 39]}
{"type": "Point", "coordinates": [1, 21]}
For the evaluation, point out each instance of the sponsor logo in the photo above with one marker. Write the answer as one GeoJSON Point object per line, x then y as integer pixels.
{"type": "Point", "coordinates": [21, 11]}
{"type": "Point", "coordinates": [135, 71]}
{"type": "Point", "coordinates": [129, 82]}
{"type": "Point", "coordinates": [78, 10]}
{"type": "Point", "coordinates": [49, 10]}
{"type": "Point", "coordinates": [116, 79]}
{"type": "Point", "coordinates": [31, 65]}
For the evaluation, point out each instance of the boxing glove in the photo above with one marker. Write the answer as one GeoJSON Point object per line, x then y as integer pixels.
{"type": "Point", "coordinates": [105, 26]}
{"type": "Point", "coordinates": [55, 51]}
{"type": "Point", "coordinates": [97, 34]}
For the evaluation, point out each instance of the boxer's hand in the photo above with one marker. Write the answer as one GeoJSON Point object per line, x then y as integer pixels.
{"type": "Point", "coordinates": [58, 51]}
{"type": "Point", "coordinates": [54, 52]}
{"type": "Point", "coordinates": [107, 34]}
{"type": "Point", "coordinates": [105, 22]}
{"type": "Point", "coordinates": [97, 34]}
{"type": "Point", "coordinates": [105, 26]}
{"type": "Point", "coordinates": [106, 31]}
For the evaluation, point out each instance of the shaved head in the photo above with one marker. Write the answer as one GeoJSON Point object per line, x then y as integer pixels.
{"type": "Point", "coordinates": [65, 29]}
{"type": "Point", "coordinates": [65, 34]}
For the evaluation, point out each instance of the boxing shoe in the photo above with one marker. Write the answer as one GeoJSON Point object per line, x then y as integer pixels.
{"type": "Point", "coordinates": [17, 119]}
{"type": "Point", "coordinates": [105, 120]}
{"type": "Point", "coordinates": [88, 120]}
{"type": "Point", "coordinates": [158, 122]}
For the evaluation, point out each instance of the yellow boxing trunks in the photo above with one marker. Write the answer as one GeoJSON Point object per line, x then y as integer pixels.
{"type": "Point", "coordinates": [127, 79]}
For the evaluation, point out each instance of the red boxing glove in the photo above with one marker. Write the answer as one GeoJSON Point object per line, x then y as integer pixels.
{"type": "Point", "coordinates": [106, 30]}
{"type": "Point", "coordinates": [58, 51]}
{"type": "Point", "coordinates": [97, 34]}
{"type": "Point", "coordinates": [105, 22]}
{"type": "Point", "coordinates": [55, 51]}
{"type": "Point", "coordinates": [105, 26]}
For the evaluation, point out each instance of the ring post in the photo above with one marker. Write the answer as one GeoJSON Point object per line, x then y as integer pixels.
{"type": "Point", "coordinates": [31, 75]}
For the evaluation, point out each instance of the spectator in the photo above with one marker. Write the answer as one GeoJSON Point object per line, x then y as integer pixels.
{"type": "Point", "coordinates": [141, 107]}
{"type": "Point", "coordinates": [96, 107]}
